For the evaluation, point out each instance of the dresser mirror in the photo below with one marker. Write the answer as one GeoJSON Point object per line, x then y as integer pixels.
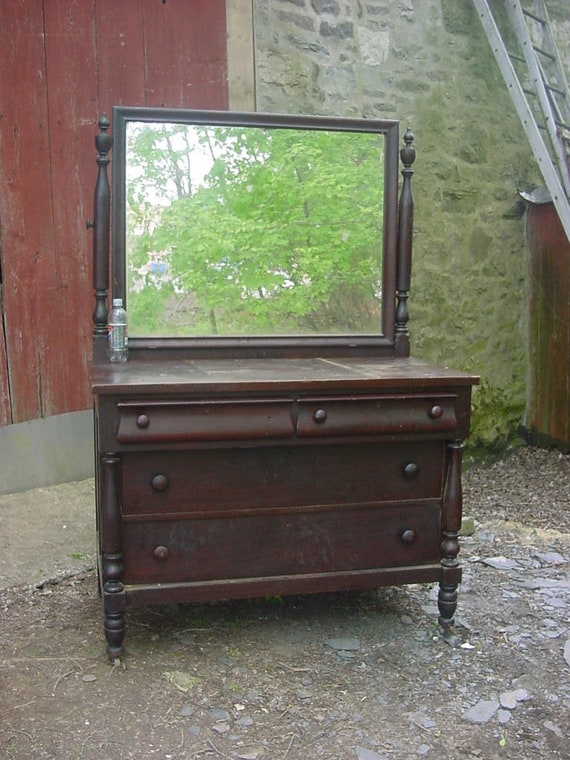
{"type": "Point", "coordinates": [265, 229]}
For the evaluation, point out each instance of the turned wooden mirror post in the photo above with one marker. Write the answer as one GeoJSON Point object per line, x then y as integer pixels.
{"type": "Point", "coordinates": [405, 231]}
{"type": "Point", "coordinates": [101, 232]}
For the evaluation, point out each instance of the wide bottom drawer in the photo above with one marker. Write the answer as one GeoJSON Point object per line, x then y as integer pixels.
{"type": "Point", "coordinates": [281, 544]}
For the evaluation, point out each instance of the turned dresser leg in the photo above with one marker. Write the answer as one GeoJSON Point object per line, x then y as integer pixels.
{"type": "Point", "coordinates": [114, 604]}
{"type": "Point", "coordinates": [451, 525]}
{"type": "Point", "coordinates": [114, 599]}
{"type": "Point", "coordinates": [114, 634]}
{"type": "Point", "coordinates": [447, 605]}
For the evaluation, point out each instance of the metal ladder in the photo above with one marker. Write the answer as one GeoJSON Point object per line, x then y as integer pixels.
{"type": "Point", "coordinates": [538, 87]}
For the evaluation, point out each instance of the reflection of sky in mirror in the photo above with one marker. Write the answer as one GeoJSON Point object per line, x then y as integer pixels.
{"type": "Point", "coordinates": [199, 158]}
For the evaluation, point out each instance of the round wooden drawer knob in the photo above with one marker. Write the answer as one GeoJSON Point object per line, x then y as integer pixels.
{"type": "Point", "coordinates": [435, 412]}
{"type": "Point", "coordinates": [409, 537]}
{"type": "Point", "coordinates": [320, 415]}
{"type": "Point", "coordinates": [159, 482]}
{"type": "Point", "coordinates": [143, 421]}
{"type": "Point", "coordinates": [161, 553]}
{"type": "Point", "coordinates": [411, 471]}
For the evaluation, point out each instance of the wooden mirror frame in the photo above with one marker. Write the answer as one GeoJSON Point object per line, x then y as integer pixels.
{"type": "Point", "coordinates": [391, 340]}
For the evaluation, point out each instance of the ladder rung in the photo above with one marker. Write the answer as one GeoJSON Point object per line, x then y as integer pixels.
{"type": "Point", "coordinates": [557, 90]}
{"type": "Point", "coordinates": [545, 53]}
{"type": "Point", "coordinates": [533, 16]}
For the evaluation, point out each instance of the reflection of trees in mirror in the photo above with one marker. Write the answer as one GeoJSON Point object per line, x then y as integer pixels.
{"type": "Point", "coordinates": [237, 231]}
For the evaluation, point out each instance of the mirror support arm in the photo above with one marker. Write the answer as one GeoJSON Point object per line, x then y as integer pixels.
{"type": "Point", "coordinates": [404, 255]}
{"type": "Point", "coordinates": [101, 230]}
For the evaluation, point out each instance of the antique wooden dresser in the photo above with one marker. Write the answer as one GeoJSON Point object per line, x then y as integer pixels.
{"type": "Point", "coordinates": [236, 464]}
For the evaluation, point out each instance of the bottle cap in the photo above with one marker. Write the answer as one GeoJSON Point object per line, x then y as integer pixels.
{"type": "Point", "coordinates": [117, 301]}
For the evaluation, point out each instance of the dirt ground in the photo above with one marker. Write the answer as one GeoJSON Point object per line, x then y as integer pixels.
{"type": "Point", "coordinates": [356, 676]}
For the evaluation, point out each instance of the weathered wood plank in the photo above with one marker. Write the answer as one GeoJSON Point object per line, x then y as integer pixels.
{"type": "Point", "coordinates": [63, 64]}
{"type": "Point", "coordinates": [69, 28]}
{"type": "Point", "coordinates": [548, 408]}
{"type": "Point", "coordinates": [5, 410]}
{"type": "Point", "coordinates": [185, 54]}
{"type": "Point", "coordinates": [25, 201]}
{"type": "Point", "coordinates": [120, 59]}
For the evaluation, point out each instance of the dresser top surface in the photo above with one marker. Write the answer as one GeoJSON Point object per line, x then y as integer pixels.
{"type": "Point", "coordinates": [186, 375]}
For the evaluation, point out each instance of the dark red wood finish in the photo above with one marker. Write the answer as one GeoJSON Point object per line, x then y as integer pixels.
{"type": "Point", "coordinates": [27, 249]}
{"type": "Point", "coordinates": [232, 471]}
{"type": "Point", "coordinates": [63, 64]}
{"type": "Point", "coordinates": [280, 476]}
{"type": "Point", "coordinates": [548, 407]}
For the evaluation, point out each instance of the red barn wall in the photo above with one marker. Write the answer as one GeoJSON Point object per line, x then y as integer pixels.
{"type": "Point", "coordinates": [64, 62]}
{"type": "Point", "coordinates": [547, 420]}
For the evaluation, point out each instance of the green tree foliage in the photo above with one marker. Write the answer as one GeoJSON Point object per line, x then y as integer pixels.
{"type": "Point", "coordinates": [278, 232]}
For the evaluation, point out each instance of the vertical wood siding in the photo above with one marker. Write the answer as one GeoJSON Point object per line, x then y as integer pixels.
{"type": "Point", "coordinates": [548, 404]}
{"type": "Point", "coordinates": [63, 63]}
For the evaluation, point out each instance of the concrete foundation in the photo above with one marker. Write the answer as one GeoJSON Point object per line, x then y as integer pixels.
{"type": "Point", "coordinates": [46, 452]}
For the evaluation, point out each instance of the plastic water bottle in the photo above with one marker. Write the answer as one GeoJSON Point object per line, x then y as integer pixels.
{"type": "Point", "coordinates": [117, 331]}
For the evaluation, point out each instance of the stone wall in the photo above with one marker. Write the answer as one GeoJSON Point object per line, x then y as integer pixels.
{"type": "Point", "coordinates": [428, 63]}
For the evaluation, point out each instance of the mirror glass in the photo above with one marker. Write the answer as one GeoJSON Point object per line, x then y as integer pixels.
{"type": "Point", "coordinates": [253, 230]}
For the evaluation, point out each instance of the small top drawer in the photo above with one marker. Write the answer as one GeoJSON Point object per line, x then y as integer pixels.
{"type": "Point", "coordinates": [172, 421]}
{"type": "Point", "coordinates": [373, 415]}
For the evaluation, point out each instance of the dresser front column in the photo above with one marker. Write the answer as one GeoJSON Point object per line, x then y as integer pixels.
{"type": "Point", "coordinates": [451, 525]}
{"type": "Point", "coordinates": [114, 597]}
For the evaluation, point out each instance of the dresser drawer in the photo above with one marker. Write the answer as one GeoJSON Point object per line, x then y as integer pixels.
{"type": "Point", "coordinates": [284, 544]}
{"type": "Point", "coordinates": [373, 415]}
{"type": "Point", "coordinates": [178, 421]}
{"type": "Point", "coordinates": [245, 480]}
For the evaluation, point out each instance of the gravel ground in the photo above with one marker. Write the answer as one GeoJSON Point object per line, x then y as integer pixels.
{"type": "Point", "coordinates": [337, 676]}
{"type": "Point", "coordinates": [530, 486]}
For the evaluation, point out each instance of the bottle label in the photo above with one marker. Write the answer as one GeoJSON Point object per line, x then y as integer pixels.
{"type": "Point", "coordinates": [117, 337]}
